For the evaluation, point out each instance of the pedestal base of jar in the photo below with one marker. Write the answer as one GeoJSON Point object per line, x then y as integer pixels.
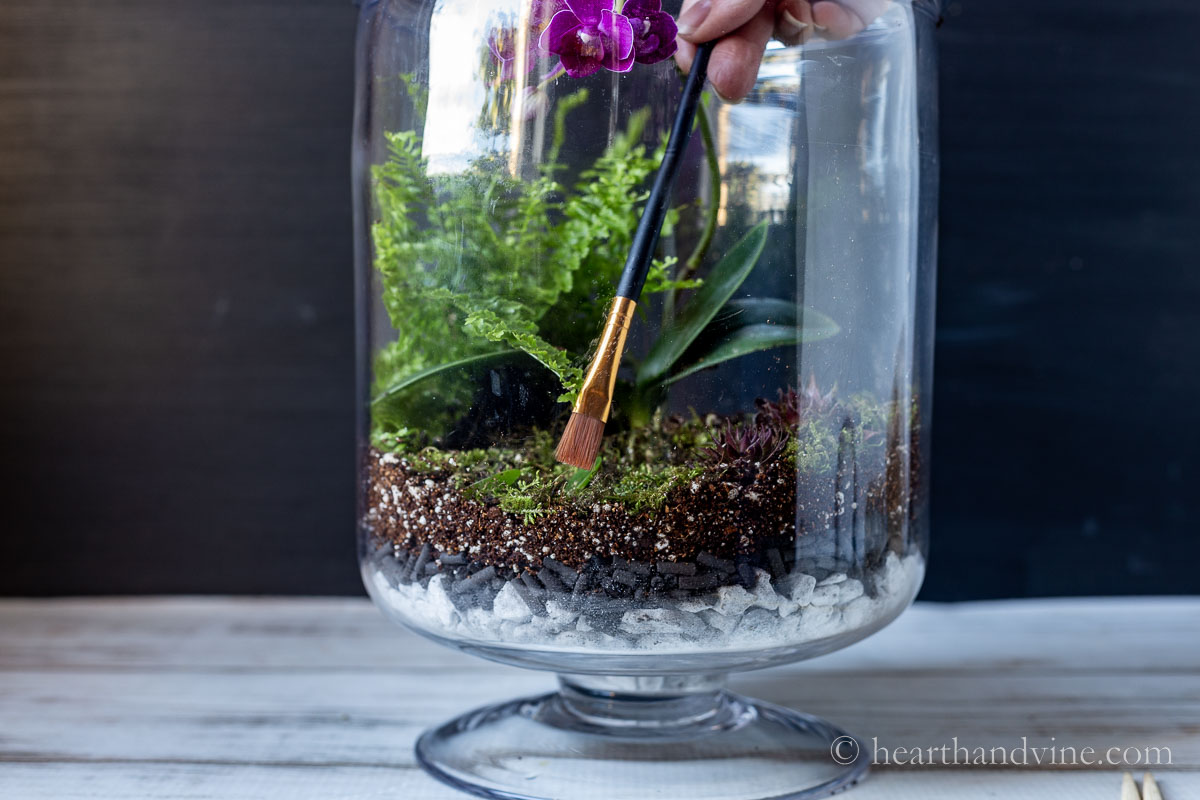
{"type": "Point", "coordinates": [641, 737]}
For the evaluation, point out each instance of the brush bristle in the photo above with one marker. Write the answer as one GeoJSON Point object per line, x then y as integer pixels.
{"type": "Point", "coordinates": [580, 442]}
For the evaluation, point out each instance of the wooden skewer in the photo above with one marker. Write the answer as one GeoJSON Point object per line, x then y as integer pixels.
{"type": "Point", "coordinates": [1129, 789]}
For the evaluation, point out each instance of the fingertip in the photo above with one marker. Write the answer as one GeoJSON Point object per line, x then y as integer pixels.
{"type": "Point", "coordinates": [703, 20]}
{"type": "Point", "coordinates": [733, 70]}
{"type": "Point", "coordinates": [685, 54]}
{"type": "Point", "coordinates": [736, 58]}
{"type": "Point", "coordinates": [836, 20]}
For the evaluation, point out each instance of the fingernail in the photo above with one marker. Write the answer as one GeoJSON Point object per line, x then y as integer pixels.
{"type": "Point", "coordinates": [789, 24]}
{"type": "Point", "coordinates": [723, 98]}
{"type": "Point", "coordinates": [690, 20]}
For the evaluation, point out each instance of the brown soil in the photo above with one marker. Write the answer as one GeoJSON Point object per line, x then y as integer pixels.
{"type": "Point", "coordinates": [713, 516]}
{"type": "Point", "coordinates": [720, 516]}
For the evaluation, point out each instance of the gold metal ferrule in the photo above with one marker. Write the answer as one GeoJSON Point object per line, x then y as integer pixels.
{"type": "Point", "coordinates": [595, 398]}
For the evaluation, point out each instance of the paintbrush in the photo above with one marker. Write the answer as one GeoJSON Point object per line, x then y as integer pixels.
{"type": "Point", "coordinates": [580, 442]}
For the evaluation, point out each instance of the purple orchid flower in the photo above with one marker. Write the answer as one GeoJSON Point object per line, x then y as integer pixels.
{"type": "Point", "coordinates": [654, 30]}
{"type": "Point", "coordinates": [541, 12]}
{"type": "Point", "coordinates": [588, 35]}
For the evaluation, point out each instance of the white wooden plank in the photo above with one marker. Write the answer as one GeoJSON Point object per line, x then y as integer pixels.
{"type": "Point", "coordinates": [207, 633]}
{"type": "Point", "coordinates": [253, 698]}
{"type": "Point", "coordinates": [220, 782]}
{"type": "Point", "coordinates": [286, 718]}
{"type": "Point", "coordinates": [319, 718]}
{"type": "Point", "coordinates": [1142, 635]}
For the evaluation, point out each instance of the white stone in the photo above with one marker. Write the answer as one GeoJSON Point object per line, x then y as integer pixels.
{"type": "Point", "coordinates": [509, 605]}
{"type": "Point", "coordinates": [572, 639]}
{"type": "Point", "coordinates": [540, 626]}
{"type": "Point", "coordinates": [790, 628]}
{"type": "Point", "coordinates": [756, 620]}
{"type": "Point", "coordinates": [888, 578]}
{"type": "Point", "coordinates": [560, 614]}
{"type": "Point", "coordinates": [694, 606]}
{"type": "Point", "coordinates": [787, 607]}
{"type": "Point", "coordinates": [663, 641]}
{"type": "Point", "coordinates": [482, 622]}
{"type": "Point", "coordinates": [824, 595]}
{"type": "Point", "coordinates": [759, 627]}
{"type": "Point", "coordinates": [836, 577]}
{"type": "Point", "coordinates": [381, 584]}
{"type": "Point", "coordinates": [732, 601]}
{"type": "Point", "coordinates": [765, 595]}
{"type": "Point", "coordinates": [849, 590]}
{"type": "Point", "coordinates": [719, 621]}
{"type": "Point", "coordinates": [819, 622]}
{"type": "Point", "coordinates": [643, 621]}
{"type": "Point", "coordinates": [513, 631]}
{"type": "Point", "coordinates": [440, 606]}
{"type": "Point", "coordinates": [859, 612]}
{"type": "Point", "coordinates": [802, 588]}
{"type": "Point", "coordinates": [608, 642]}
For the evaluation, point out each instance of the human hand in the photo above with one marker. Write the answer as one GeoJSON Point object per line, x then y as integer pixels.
{"type": "Point", "coordinates": [745, 27]}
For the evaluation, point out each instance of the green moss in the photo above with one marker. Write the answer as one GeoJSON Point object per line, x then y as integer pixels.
{"type": "Point", "coordinates": [645, 487]}
{"type": "Point", "coordinates": [525, 500]}
{"type": "Point", "coordinates": [814, 447]}
{"type": "Point", "coordinates": [636, 468]}
{"type": "Point", "coordinates": [872, 418]}
{"type": "Point", "coordinates": [640, 468]}
{"type": "Point", "coordinates": [533, 490]}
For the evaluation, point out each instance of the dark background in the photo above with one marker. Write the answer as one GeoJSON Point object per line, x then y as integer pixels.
{"type": "Point", "coordinates": [176, 343]}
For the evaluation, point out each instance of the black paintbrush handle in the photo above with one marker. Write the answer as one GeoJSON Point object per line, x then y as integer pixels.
{"type": "Point", "coordinates": [645, 239]}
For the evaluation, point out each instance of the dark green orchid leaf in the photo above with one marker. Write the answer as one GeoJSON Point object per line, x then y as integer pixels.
{"type": "Point", "coordinates": [433, 397]}
{"type": "Point", "coordinates": [719, 285]}
{"type": "Point", "coordinates": [749, 325]}
{"type": "Point", "coordinates": [746, 311]}
{"type": "Point", "coordinates": [750, 338]}
{"type": "Point", "coordinates": [402, 386]}
{"type": "Point", "coordinates": [742, 313]}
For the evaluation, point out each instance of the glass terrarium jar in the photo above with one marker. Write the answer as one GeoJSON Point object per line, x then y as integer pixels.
{"type": "Point", "coordinates": [760, 492]}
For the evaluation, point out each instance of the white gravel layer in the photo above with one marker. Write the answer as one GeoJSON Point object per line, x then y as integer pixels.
{"type": "Point", "coordinates": [799, 610]}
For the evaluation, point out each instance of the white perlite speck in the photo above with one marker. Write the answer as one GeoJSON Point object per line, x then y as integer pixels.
{"type": "Point", "coordinates": [798, 610]}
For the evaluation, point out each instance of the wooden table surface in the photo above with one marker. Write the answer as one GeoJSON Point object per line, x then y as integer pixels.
{"type": "Point", "coordinates": [265, 698]}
